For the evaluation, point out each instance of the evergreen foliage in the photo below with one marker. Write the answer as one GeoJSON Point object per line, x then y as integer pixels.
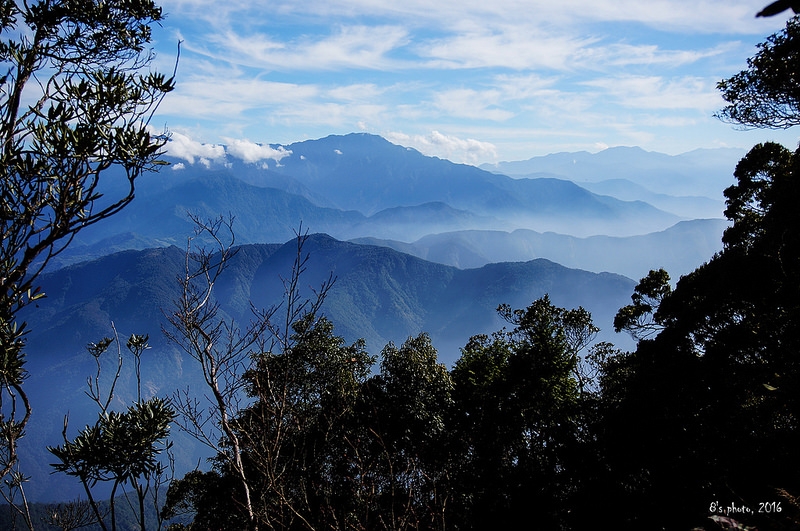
{"type": "Point", "coordinates": [699, 425]}
{"type": "Point", "coordinates": [76, 96]}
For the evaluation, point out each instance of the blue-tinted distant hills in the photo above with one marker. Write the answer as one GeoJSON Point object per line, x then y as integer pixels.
{"type": "Point", "coordinates": [702, 172]}
{"type": "Point", "coordinates": [360, 185]}
{"type": "Point", "coordinates": [678, 249]}
{"type": "Point", "coordinates": [369, 174]}
{"type": "Point", "coordinates": [380, 294]}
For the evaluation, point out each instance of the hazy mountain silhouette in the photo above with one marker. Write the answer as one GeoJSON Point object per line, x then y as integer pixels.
{"type": "Point", "coordinates": [703, 172]}
{"type": "Point", "coordinates": [368, 173]}
{"type": "Point", "coordinates": [364, 186]}
{"type": "Point", "coordinates": [380, 294]}
{"type": "Point", "coordinates": [679, 249]}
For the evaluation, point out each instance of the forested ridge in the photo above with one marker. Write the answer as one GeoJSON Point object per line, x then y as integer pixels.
{"type": "Point", "coordinates": [536, 424]}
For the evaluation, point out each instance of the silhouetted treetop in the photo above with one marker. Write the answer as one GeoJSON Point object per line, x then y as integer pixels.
{"type": "Point", "coordinates": [767, 93]}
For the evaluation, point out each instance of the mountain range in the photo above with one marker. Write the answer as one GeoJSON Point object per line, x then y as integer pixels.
{"type": "Point", "coordinates": [379, 294]}
{"type": "Point", "coordinates": [678, 249]}
{"type": "Point", "coordinates": [415, 243]}
{"type": "Point", "coordinates": [698, 173]}
{"type": "Point", "coordinates": [362, 186]}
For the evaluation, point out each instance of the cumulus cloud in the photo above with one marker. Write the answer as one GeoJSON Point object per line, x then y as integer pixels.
{"type": "Point", "coordinates": [468, 150]}
{"type": "Point", "coordinates": [185, 148]}
{"type": "Point", "coordinates": [182, 147]}
{"type": "Point", "coordinates": [251, 152]}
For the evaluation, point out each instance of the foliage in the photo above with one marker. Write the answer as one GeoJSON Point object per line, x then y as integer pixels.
{"type": "Point", "coordinates": [767, 94]}
{"type": "Point", "coordinates": [406, 411]}
{"type": "Point", "coordinates": [518, 407]}
{"type": "Point", "coordinates": [74, 106]}
{"type": "Point", "coordinates": [718, 382]}
{"type": "Point", "coordinates": [641, 319]}
{"type": "Point", "coordinates": [122, 448]}
{"type": "Point", "coordinates": [85, 111]}
{"type": "Point", "coordinates": [300, 432]}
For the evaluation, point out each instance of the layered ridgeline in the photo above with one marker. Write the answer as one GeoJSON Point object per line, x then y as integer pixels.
{"type": "Point", "coordinates": [675, 249]}
{"type": "Point", "coordinates": [380, 294]}
{"type": "Point", "coordinates": [361, 185]}
{"type": "Point", "coordinates": [453, 242]}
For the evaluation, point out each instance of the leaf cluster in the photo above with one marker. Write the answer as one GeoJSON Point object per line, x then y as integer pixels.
{"type": "Point", "coordinates": [120, 446]}
{"type": "Point", "coordinates": [767, 93]}
{"type": "Point", "coordinates": [85, 110]}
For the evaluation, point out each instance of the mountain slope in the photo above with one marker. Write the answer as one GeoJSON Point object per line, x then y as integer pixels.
{"type": "Point", "coordinates": [700, 172]}
{"type": "Point", "coordinates": [369, 174]}
{"type": "Point", "coordinates": [679, 249]}
{"type": "Point", "coordinates": [379, 294]}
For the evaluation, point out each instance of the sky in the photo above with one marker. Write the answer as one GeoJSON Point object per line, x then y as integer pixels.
{"type": "Point", "coordinates": [474, 81]}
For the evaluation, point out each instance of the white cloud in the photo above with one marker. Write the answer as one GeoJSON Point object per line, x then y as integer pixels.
{"type": "Point", "coordinates": [469, 103]}
{"type": "Point", "coordinates": [229, 95]}
{"type": "Point", "coordinates": [182, 147]}
{"type": "Point", "coordinates": [178, 166]}
{"type": "Point", "coordinates": [358, 92]}
{"type": "Point", "coordinates": [622, 54]}
{"type": "Point", "coordinates": [445, 146]}
{"type": "Point", "coordinates": [707, 16]}
{"type": "Point", "coordinates": [518, 48]}
{"type": "Point", "coordinates": [658, 93]}
{"type": "Point", "coordinates": [251, 152]}
{"type": "Point", "coordinates": [350, 46]}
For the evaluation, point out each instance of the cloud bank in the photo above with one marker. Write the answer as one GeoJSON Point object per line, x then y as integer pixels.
{"type": "Point", "coordinates": [185, 148]}
{"type": "Point", "coordinates": [469, 151]}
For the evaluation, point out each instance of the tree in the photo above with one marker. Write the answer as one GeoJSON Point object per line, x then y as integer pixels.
{"type": "Point", "coordinates": [76, 98]}
{"type": "Point", "coordinates": [297, 440]}
{"type": "Point", "coordinates": [641, 318]}
{"type": "Point", "coordinates": [220, 347]}
{"type": "Point", "coordinates": [230, 358]}
{"type": "Point", "coordinates": [301, 434]}
{"type": "Point", "coordinates": [519, 416]}
{"type": "Point", "coordinates": [122, 448]}
{"type": "Point", "coordinates": [719, 380]}
{"type": "Point", "coordinates": [407, 408]}
{"type": "Point", "coordinates": [767, 94]}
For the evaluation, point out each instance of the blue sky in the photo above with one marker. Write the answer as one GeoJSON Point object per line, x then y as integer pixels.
{"type": "Point", "coordinates": [470, 80]}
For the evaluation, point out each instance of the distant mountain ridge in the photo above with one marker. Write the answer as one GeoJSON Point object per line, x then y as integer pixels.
{"type": "Point", "coordinates": [679, 249]}
{"type": "Point", "coordinates": [374, 285]}
{"type": "Point", "coordinates": [380, 294]}
{"type": "Point", "coordinates": [704, 172]}
{"type": "Point", "coordinates": [368, 173]}
{"type": "Point", "coordinates": [362, 186]}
